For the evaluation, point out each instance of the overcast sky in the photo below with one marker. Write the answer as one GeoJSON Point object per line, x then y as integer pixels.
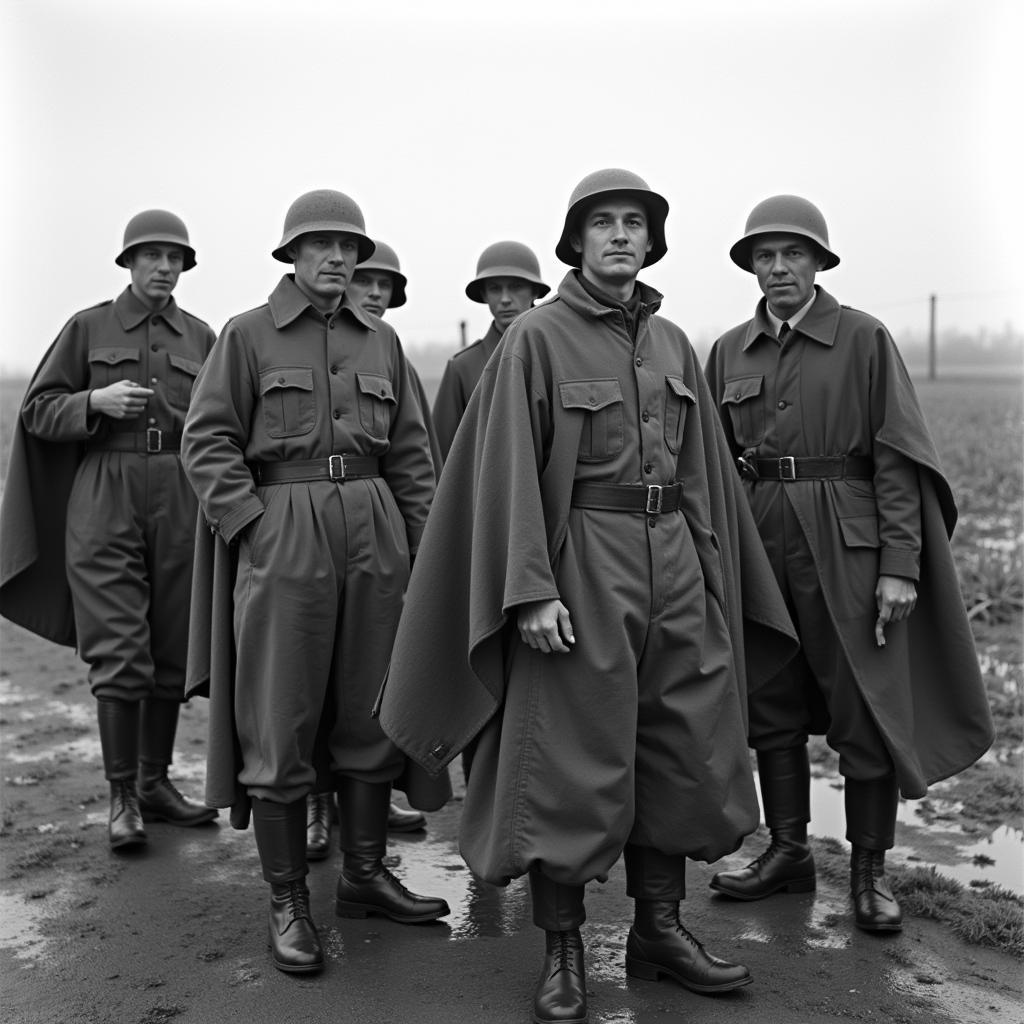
{"type": "Point", "coordinates": [456, 124]}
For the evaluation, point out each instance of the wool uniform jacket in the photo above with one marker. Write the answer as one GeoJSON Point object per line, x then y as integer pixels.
{"type": "Point", "coordinates": [850, 394]}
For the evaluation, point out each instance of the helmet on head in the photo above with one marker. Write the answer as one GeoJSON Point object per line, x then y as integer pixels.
{"type": "Point", "coordinates": [156, 226]}
{"type": "Point", "coordinates": [784, 215]}
{"type": "Point", "coordinates": [323, 210]}
{"type": "Point", "coordinates": [604, 183]}
{"type": "Point", "coordinates": [385, 258]}
{"type": "Point", "coordinates": [506, 259]}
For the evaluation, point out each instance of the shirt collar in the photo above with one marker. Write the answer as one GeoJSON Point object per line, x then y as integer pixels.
{"type": "Point", "coordinates": [132, 311]}
{"type": "Point", "coordinates": [819, 321]}
{"type": "Point", "coordinates": [793, 320]}
{"type": "Point", "coordinates": [288, 302]}
{"type": "Point", "coordinates": [572, 292]}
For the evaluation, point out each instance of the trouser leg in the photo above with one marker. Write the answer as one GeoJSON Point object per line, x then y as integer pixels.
{"type": "Point", "coordinates": [118, 722]}
{"type": "Point", "coordinates": [871, 829]}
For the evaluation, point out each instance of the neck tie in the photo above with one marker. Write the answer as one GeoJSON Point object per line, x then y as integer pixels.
{"type": "Point", "coordinates": [784, 331]}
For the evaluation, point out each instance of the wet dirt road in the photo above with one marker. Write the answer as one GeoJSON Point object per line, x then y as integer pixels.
{"type": "Point", "coordinates": [177, 932]}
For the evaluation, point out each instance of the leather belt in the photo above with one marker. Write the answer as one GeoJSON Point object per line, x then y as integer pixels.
{"type": "Point", "coordinates": [649, 499]}
{"type": "Point", "coordinates": [826, 467]}
{"type": "Point", "coordinates": [150, 442]}
{"type": "Point", "coordinates": [338, 468]}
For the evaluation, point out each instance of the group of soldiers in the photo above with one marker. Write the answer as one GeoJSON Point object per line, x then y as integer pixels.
{"type": "Point", "coordinates": [630, 570]}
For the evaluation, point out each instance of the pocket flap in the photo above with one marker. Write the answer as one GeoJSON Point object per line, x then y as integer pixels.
{"type": "Point", "coordinates": [590, 394]}
{"type": "Point", "coordinates": [286, 377]}
{"type": "Point", "coordinates": [860, 531]}
{"type": "Point", "coordinates": [679, 387]}
{"type": "Point", "coordinates": [376, 384]}
{"type": "Point", "coordinates": [189, 366]}
{"type": "Point", "coordinates": [111, 354]}
{"type": "Point", "coordinates": [741, 388]}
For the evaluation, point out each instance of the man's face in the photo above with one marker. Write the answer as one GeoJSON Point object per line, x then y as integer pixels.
{"type": "Point", "coordinates": [506, 298]}
{"type": "Point", "coordinates": [785, 266]}
{"type": "Point", "coordinates": [324, 261]}
{"type": "Point", "coordinates": [155, 267]}
{"type": "Point", "coordinates": [370, 290]}
{"type": "Point", "coordinates": [613, 241]}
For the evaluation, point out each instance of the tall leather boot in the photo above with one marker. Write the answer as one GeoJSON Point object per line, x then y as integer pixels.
{"type": "Point", "coordinates": [119, 740]}
{"type": "Point", "coordinates": [319, 810]}
{"type": "Point", "coordinates": [871, 829]}
{"type": "Point", "coordinates": [365, 886]}
{"type": "Point", "coordinates": [561, 993]}
{"type": "Point", "coordinates": [159, 800]}
{"type": "Point", "coordinates": [658, 945]}
{"type": "Point", "coordinates": [788, 864]}
{"type": "Point", "coordinates": [281, 840]}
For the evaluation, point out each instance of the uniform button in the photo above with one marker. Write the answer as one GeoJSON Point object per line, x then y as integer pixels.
{"type": "Point", "coordinates": [592, 400]}
{"type": "Point", "coordinates": [737, 396]}
{"type": "Point", "coordinates": [639, 361]}
{"type": "Point", "coordinates": [645, 417]}
{"type": "Point", "coordinates": [155, 348]}
{"type": "Point", "coordinates": [651, 521]}
{"type": "Point", "coordinates": [648, 468]}
{"type": "Point", "coordinates": [153, 380]}
{"type": "Point", "coordinates": [334, 369]}
{"type": "Point", "coordinates": [152, 421]}
{"type": "Point", "coordinates": [280, 380]}
{"type": "Point", "coordinates": [330, 325]}
{"type": "Point", "coordinates": [336, 414]}
{"type": "Point", "coordinates": [782, 405]}
{"type": "Point", "coordinates": [154, 320]}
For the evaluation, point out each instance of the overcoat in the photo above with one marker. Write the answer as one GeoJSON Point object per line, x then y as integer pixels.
{"type": "Point", "coordinates": [497, 538]}
{"type": "Point", "coordinates": [852, 395]}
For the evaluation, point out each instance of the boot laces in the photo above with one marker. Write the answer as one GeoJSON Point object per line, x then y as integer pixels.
{"type": "Point", "coordinates": [297, 898]}
{"type": "Point", "coordinates": [319, 812]}
{"type": "Point", "coordinates": [566, 945]}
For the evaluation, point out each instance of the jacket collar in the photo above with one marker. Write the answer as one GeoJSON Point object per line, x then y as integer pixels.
{"type": "Point", "coordinates": [131, 311]}
{"type": "Point", "coordinates": [287, 303]}
{"type": "Point", "coordinates": [820, 324]}
{"type": "Point", "coordinates": [574, 295]}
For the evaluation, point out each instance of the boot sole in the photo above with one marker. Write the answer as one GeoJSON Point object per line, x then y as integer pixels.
{"type": "Point", "coordinates": [152, 816]}
{"type": "Point", "coordinates": [655, 972]}
{"type": "Point", "coordinates": [359, 910]}
{"type": "Point", "coordinates": [407, 828]}
{"type": "Point", "coordinates": [128, 842]}
{"type": "Point", "coordinates": [797, 886]}
{"type": "Point", "coordinates": [561, 1020]}
{"type": "Point", "coordinates": [294, 968]}
{"type": "Point", "coordinates": [864, 927]}
{"type": "Point", "coordinates": [315, 854]}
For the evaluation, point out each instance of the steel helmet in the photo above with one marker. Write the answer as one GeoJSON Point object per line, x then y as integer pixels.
{"type": "Point", "coordinates": [385, 258]}
{"type": "Point", "coordinates": [786, 215]}
{"type": "Point", "coordinates": [506, 259]}
{"type": "Point", "coordinates": [323, 210]}
{"type": "Point", "coordinates": [614, 179]}
{"type": "Point", "coordinates": [156, 226]}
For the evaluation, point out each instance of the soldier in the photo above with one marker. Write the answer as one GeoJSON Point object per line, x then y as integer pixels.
{"type": "Point", "coordinates": [576, 602]}
{"type": "Point", "coordinates": [508, 281]}
{"type": "Point", "coordinates": [98, 517]}
{"type": "Point", "coordinates": [376, 285]}
{"type": "Point", "coordinates": [308, 452]}
{"type": "Point", "coordinates": [855, 515]}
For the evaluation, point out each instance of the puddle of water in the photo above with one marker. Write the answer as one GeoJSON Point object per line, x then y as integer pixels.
{"type": "Point", "coordinates": [1005, 846]}
{"type": "Point", "coordinates": [19, 926]}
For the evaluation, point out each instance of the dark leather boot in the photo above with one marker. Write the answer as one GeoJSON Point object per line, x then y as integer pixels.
{"type": "Point", "coordinates": [119, 740]}
{"type": "Point", "coordinates": [159, 800]}
{"type": "Point", "coordinates": [365, 886]}
{"type": "Point", "coordinates": [871, 829]}
{"type": "Point", "coordinates": [561, 994]}
{"type": "Point", "coordinates": [401, 820]}
{"type": "Point", "coordinates": [281, 840]}
{"type": "Point", "coordinates": [788, 864]}
{"type": "Point", "coordinates": [318, 825]}
{"type": "Point", "coordinates": [659, 946]}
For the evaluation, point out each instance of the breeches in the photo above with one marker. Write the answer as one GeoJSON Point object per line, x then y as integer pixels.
{"type": "Point", "coordinates": [318, 595]}
{"type": "Point", "coordinates": [130, 535]}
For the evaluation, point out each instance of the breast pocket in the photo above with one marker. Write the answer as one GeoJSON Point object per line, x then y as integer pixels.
{"type": "Point", "coordinates": [678, 397]}
{"type": "Point", "coordinates": [289, 405]}
{"type": "Point", "coordinates": [744, 398]}
{"type": "Point", "coordinates": [111, 363]}
{"type": "Point", "coordinates": [376, 404]}
{"type": "Point", "coordinates": [603, 434]}
{"type": "Point", "coordinates": [180, 378]}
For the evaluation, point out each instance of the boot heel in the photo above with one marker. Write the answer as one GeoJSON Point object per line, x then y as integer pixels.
{"type": "Point", "coordinates": [801, 885]}
{"type": "Point", "coordinates": [644, 971]}
{"type": "Point", "coordinates": [342, 908]}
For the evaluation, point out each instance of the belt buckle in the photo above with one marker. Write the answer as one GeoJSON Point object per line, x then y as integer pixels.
{"type": "Point", "coordinates": [336, 467]}
{"type": "Point", "coordinates": [154, 440]}
{"type": "Point", "coordinates": [787, 468]}
{"type": "Point", "coordinates": [653, 499]}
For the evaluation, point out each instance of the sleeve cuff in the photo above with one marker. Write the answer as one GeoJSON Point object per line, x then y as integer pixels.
{"type": "Point", "coordinates": [900, 562]}
{"type": "Point", "coordinates": [236, 520]}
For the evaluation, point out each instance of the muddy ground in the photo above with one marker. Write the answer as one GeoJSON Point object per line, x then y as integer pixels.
{"type": "Point", "coordinates": [177, 932]}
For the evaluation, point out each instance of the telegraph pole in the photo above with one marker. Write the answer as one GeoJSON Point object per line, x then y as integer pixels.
{"type": "Point", "coordinates": [462, 333]}
{"type": "Point", "coordinates": [931, 337]}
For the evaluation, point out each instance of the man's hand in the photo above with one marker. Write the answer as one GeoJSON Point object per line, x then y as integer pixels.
{"type": "Point", "coordinates": [121, 401]}
{"type": "Point", "coordinates": [546, 626]}
{"type": "Point", "coordinates": [895, 597]}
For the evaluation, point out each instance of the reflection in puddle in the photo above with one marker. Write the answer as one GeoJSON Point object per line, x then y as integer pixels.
{"type": "Point", "coordinates": [997, 859]}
